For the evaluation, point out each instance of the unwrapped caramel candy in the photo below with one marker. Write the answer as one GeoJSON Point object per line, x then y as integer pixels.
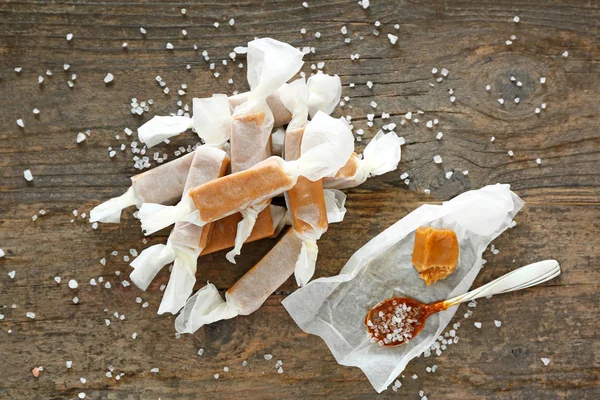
{"type": "Point", "coordinates": [435, 254]}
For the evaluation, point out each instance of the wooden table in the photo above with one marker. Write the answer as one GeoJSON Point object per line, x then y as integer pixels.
{"type": "Point", "coordinates": [561, 219]}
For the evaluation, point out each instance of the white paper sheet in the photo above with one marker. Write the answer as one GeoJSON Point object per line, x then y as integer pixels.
{"type": "Point", "coordinates": [334, 308]}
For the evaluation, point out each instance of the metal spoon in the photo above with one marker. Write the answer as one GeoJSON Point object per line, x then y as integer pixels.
{"type": "Point", "coordinates": [397, 320]}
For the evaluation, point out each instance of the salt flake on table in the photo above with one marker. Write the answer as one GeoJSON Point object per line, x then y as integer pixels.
{"type": "Point", "coordinates": [109, 78]}
{"type": "Point", "coordinates": [497, 323]}
{"type": "Point", "coordinates": [393, 38]}
{"type": "Point", "coordinates": [69, 37]}
{"type": "Point", "coordinates": [12, 274]}
{"type": "Point", "coordinates": [477, 325]}
{"type": "Point", "coordinates": [73, 284]}
{"type": "Point", "coordinates": [545, 360]}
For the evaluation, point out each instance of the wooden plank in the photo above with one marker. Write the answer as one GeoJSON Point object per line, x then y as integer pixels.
{"type": "Point", "coordinates": [466, 37]}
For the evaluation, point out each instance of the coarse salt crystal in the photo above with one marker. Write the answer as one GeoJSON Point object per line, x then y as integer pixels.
{"type": "Point", "coordinates": [415, 376]}
{"type": "Point", "coordinates": [57, 279]}
{"type": "Point", "coordinates": [81, 395]}
{"type": "Point", "coordinates": [517, 100]}
{"type": "Point", "coordinates": [434, 70]}
{"type": "Point", "coordinates": [80, 137]}
{"type": "Point", "coordinates": [216, 376]}
{"type": "Point", "coordinates": [444, 72]}
{"type": "Point", "coordinates": [542, 80]}
{"type": "Point", "coordinates": [543, 106]}
{"type": "Point", "coordinates": [393, 38]}
{"type": "Point", "coordinates": [36, 111]}
{"type": "Point", "coordinates": [30, 315]}
{"type": "Point", "coordinates": [69, 364]}
{"type": "Point", "coordinates": [18, 70]}
{"type": "Point", "coordinates": [73, 284]}
{"type": "Point", "coordinates": [69, 36]}
{"type": "Point", "coordinates": [231, 22]}
{"type": "Point", "coordinates": [565, 53]}
{"type": "Point", "coordinates": [364, 3]}
{"type": "Point", "coordinates": [545, 360]}
{"type": "Point", "coordinates": [538, 161]}
{"type": "Point", "coordinates": [477, 325]}
{"type": "Point", "coordinates": [497, 323]}
{"type": "Point", "coordinates": [169, 46]}
{"type": "Point", "coordinates": [145, 304]}
{"type": "Point", "coordinates": [154, 370]}
{"type": "Point", "coordinates": [429, 124]}
{"type": "Point", "coordinates": [516, 19]}
{"type": "Point", "coordinates": [216, 24]}
{"type": "Point", "coordinates": [439, 135]}
{"type": "Point", "coordinates": [12, 274]}
{"type": "Point", "coordinates": [511, 153]}
{"type": "Point", "coordinates": [501, 101]}
{"type": "Point", "coordinates": [488, 87]}
{"type": "Point", "coordinates": [449, 174]}
{"type": "Point", "coordinates": [20, 123]}
{"type": "Point", "coordinates": [75, 300]}
{"type": "Point", "coordinates": [93, 282]}
{"type": "Point", "coordinates": [437, 159]}
{"type": "Point", "coordinates": [268, 357]}
{"type": "Point", "coordinates": [108, 78]}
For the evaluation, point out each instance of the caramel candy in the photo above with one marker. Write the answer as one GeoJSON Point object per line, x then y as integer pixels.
{"type": "Point", "coordinates": [163, 184]}
{"type": "Point", "coordinates": [250, 141]}
{"type": "Point", "coordinates": [435, 253]}
{"type": "Point", "coordinates": [252, 289]}
{"type": "Point", "coordinates": [224, 230]}
{"type": "Point", "coordinates": [224, 196]}
{"type": "Point", "coordinates": [281, 115]}
{"type": "Point", "coordinates": [305, 200]}
{"type": "Point", "coordinates": [203, 169]}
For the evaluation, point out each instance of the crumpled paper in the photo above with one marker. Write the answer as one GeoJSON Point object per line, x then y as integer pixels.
{"type": "Point", "coordinates": [334, 308]}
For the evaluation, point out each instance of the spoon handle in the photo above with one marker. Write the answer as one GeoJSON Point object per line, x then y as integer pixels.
{"type": "Point", "coordinates": [521, 278]}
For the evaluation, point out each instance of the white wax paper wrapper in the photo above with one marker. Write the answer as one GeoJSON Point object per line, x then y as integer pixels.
{"type": "Point", "coordinates": [381, 155]}
{"type": "Point", "coordinates": [182, 280]}
{"type": "Point", "coordinates": [149, 263]}
{"type": "Point", "coordinates": [327, 144]}
{"type": "Point", "coordinates": [334, 308]}
{"type": "Point", "coordinates": [244, 229]}
{"type": "Point", "coordinates": [110, 210]}
{"type": "Point", "coordinates": [294, 97]}
{"type": "Point", "coordinates": [271, 63]}
{"type": "Point", "coordinates": [277, 138]}
{"type": "Point", "coordinates": [335, 201]}
{"type": "Point", "coordinates": [324, 92]}
{"type": "Point", "coordinates": [160, 128]}
{"type": "Point", "coordinates": [212, 119]}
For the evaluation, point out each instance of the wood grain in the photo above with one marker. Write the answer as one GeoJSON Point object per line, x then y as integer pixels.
{"type": "Point", "coordinates": [560, 220]}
